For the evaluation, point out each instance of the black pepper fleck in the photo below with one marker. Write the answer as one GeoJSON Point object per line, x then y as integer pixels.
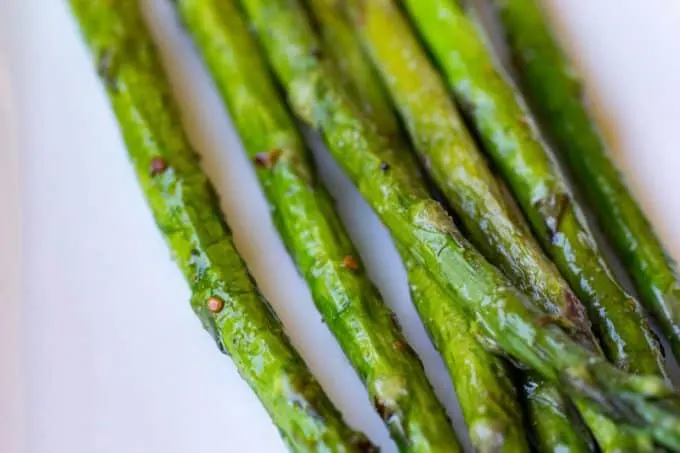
{"type": "Point", "coordinates": [105, 66]}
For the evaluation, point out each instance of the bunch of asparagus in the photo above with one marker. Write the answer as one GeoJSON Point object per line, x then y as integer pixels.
{"type": "Point", "coordinates": [313, 233]}
{"type": "Point", "coordinates": [507, 301]}
{"type": "Point", "coordinates": [187, 212]}
{"type": "Point", "coordinates": [554, 91]}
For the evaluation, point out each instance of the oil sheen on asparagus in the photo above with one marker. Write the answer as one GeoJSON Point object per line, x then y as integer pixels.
{"type": "Point", "coordinates": [472, 189]}
{"type": "Point", "coordinates": [484, 387]}
{"type": "Point", "coordinates": [186, 210]}
{"type": "Point", "coordinates": [460, 170]}
{"type": "Point", "coordinates": [498, 310]}
{"type": "Point", "coordinates": [305, 218]}
{"type": "Point", "coordinates": [550, 83]}
{"type": "Point", "coordinates": [447, 158]}
{"type": "Point", "coordinates": [503, 124]}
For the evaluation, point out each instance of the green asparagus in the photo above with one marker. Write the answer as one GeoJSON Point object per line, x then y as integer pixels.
{"type": "Point", "coordinates": [460, 170]}
{"type": "Point", "coordinates": [478, 198]}
{"type": "Point", "coordinates": [472, 189]}
{"type": "Point", "coordinates": [357, 74]}
{"type": "Point", "coordinates": [503, 122]}
{"type": "Point", "coordinates": [186, 210]}
{"type": "Point", "coordinates": [548, 419]}
{"type": "Point", "coordinates": [499, 311]}
{"type": "Point", "coordinates": [555, 92]}
{"type": "Point", "coordinates": [485, 390]}
{"type": "Point", "coordinates": [323, 252]}
{"type": "Point", "coordinates": [550, 414]}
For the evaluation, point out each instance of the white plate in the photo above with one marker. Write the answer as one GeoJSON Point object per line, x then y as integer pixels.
{"type": "Point", "coordinates": [103, 353]}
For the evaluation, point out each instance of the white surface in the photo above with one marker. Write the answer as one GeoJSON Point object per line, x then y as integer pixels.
{"type": "Point", "coordinates": [103, 354]}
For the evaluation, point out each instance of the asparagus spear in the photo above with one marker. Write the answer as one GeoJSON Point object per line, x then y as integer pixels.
{"type": "Point", "coordinates": [322, 250]}
{"type": "Point", "coordinates": [356, 73]}
{"type": "Point", "coordinates": [548, 420]}
{"type": "Point", "coordinates": [186, 210]}
{"type": "Point", "coordinates": [485, 389]}
{"type": "Point", "coordinates": [502, 121]}
{"type": "Point", "coordinates": [555, 92]}
{"type": "Point", "coordinates": [499, 311]}
{"type": "Point", "coordinates": [441, 139]}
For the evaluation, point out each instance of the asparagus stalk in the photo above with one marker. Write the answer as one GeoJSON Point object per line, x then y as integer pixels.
{"type": "Point", "coordinates": [503, 122]}
{"type": "Point", "coordinates": [555, 92]}
{"type": "Point", "coordinates": [357, 75]}
{"type": "Point", "coordinates": [186, 210]}
{"type": "Point", "coordinates": [485, 390]}
{"type": "Point", "coordinates": [548, 419]}
{"type": "Point", "coordinates": [322, 249]}
{"type": "Point", "coordinates": [498, 310]}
